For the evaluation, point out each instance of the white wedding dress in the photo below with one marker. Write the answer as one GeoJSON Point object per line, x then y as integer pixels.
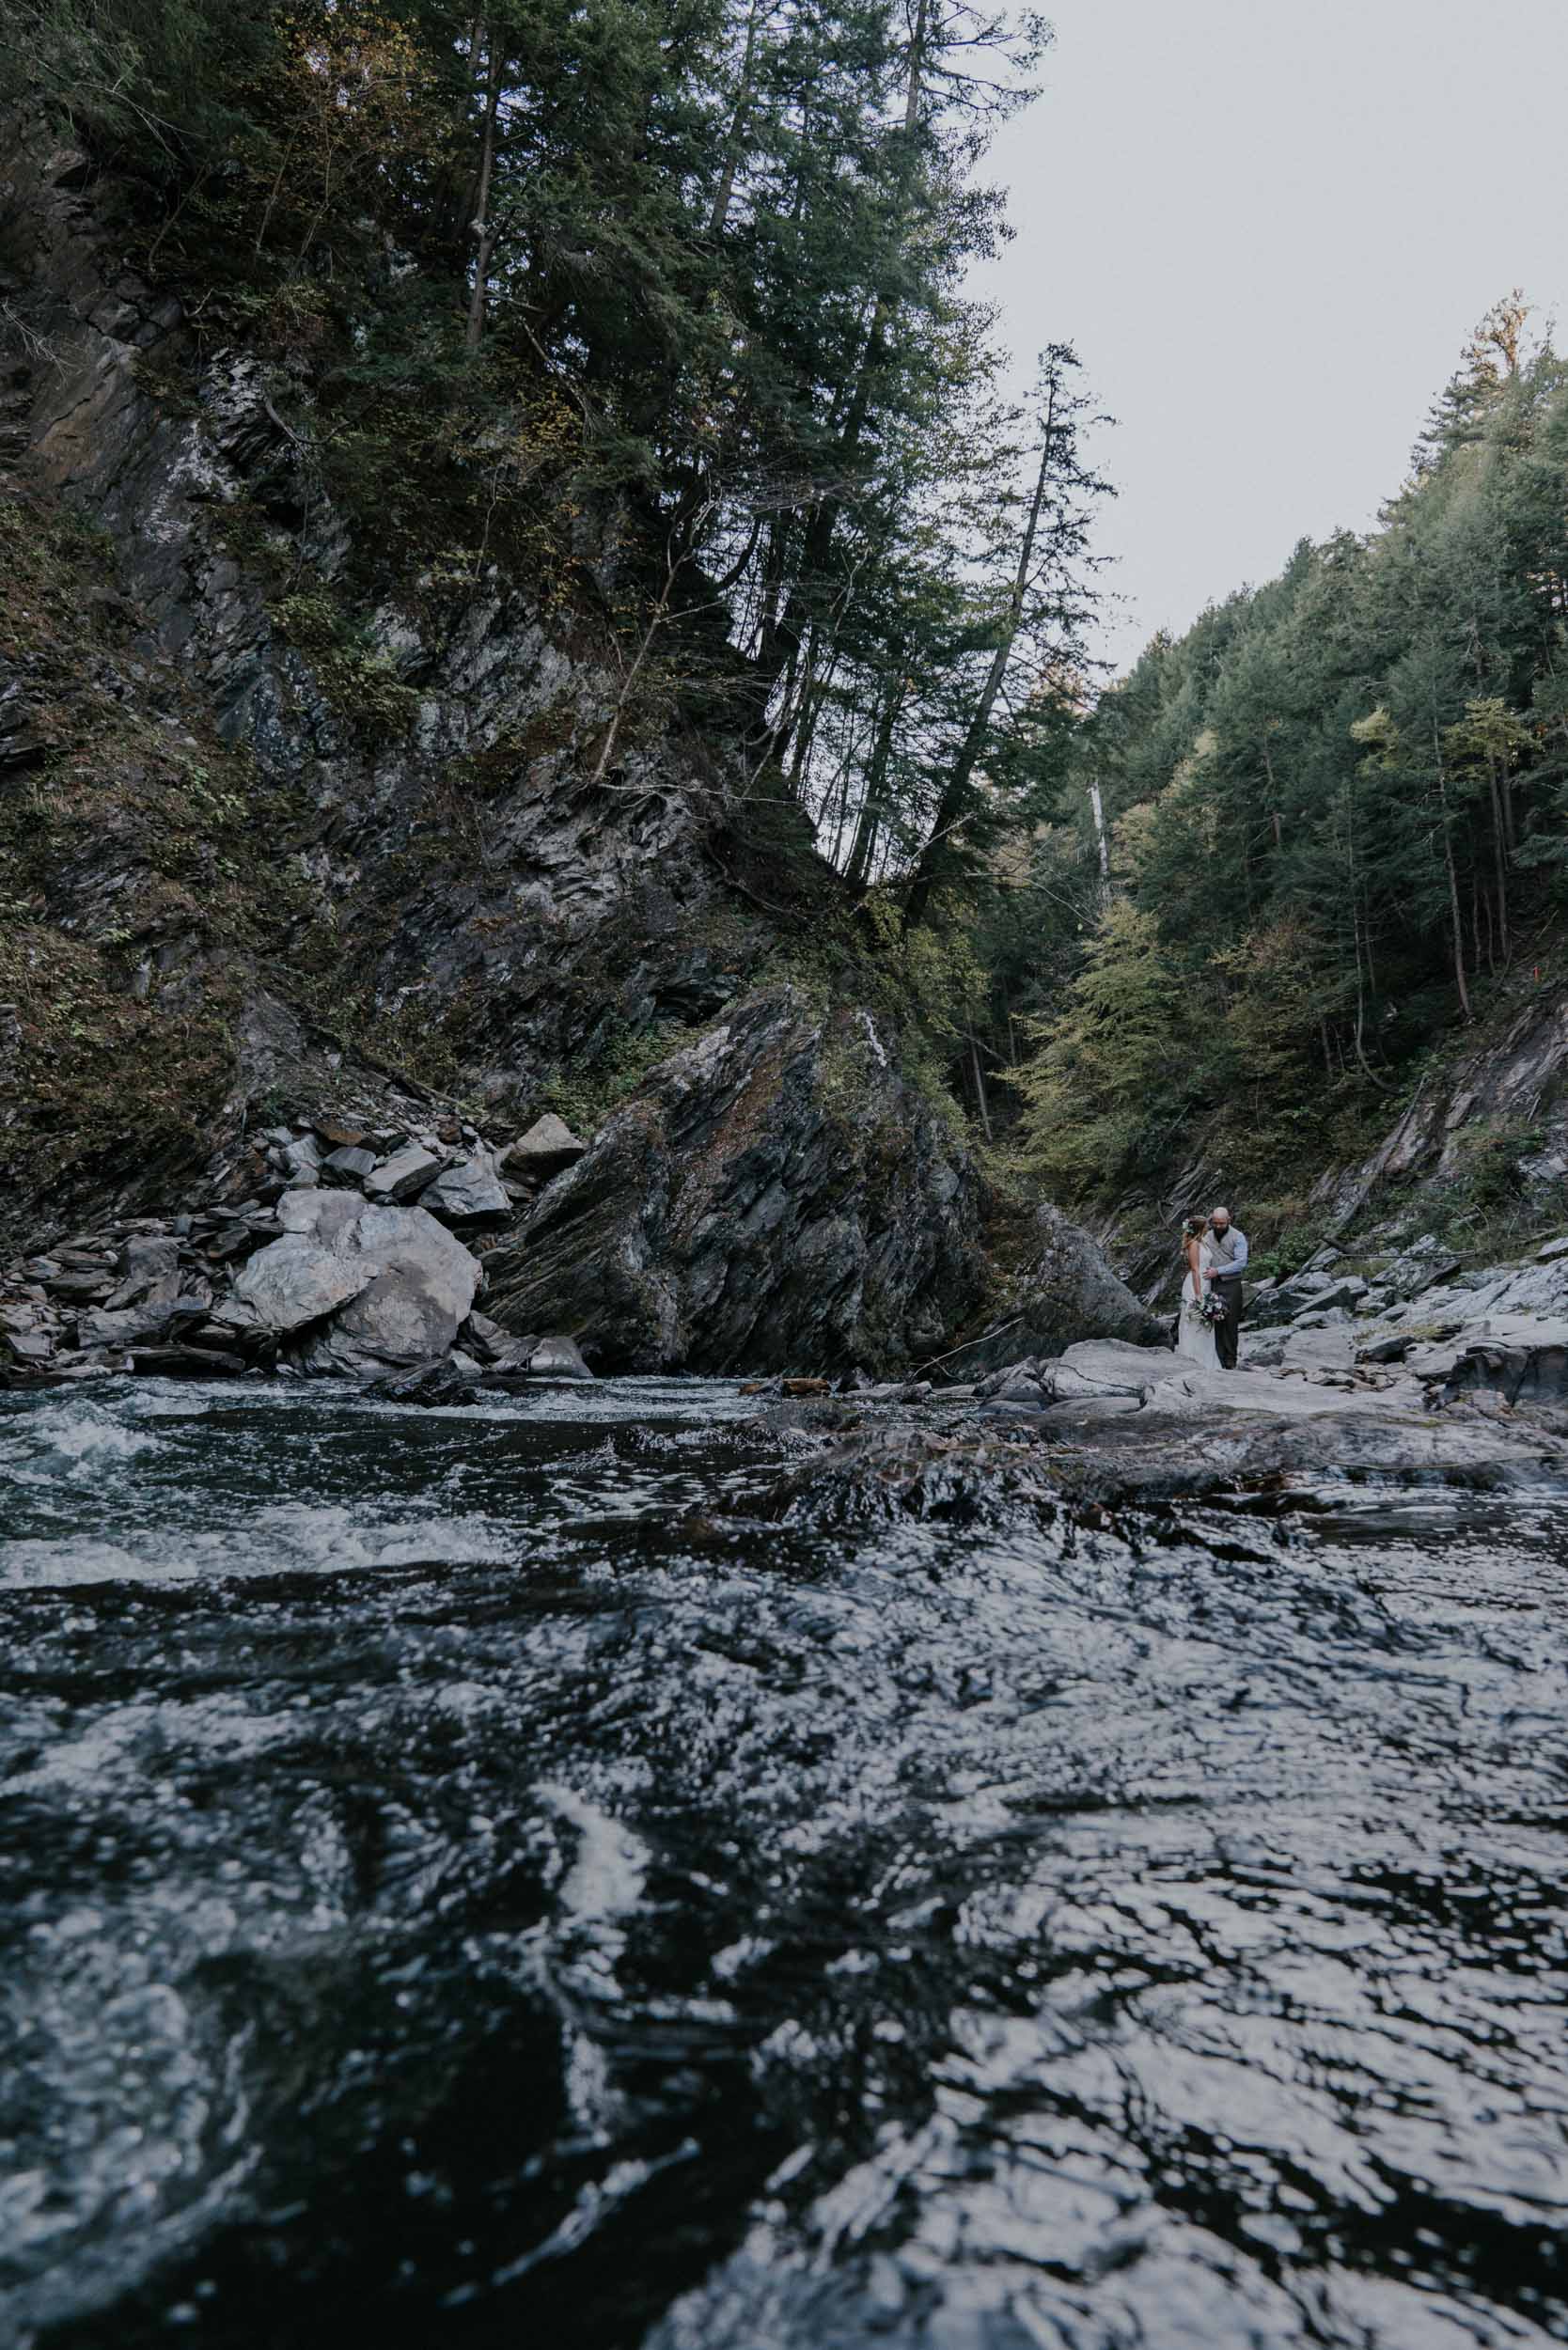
{"type": "Point", "coordinates": [1195, 1337]}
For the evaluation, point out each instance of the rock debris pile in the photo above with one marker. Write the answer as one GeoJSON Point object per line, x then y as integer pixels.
{"type": "Point", "coordinates": [351, 1258]}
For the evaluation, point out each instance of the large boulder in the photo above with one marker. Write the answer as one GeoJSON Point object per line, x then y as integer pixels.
{"type": "Point", "coordinates": [468, 1195]}
{"type": "Point", "coordinates": [355, 1287]}
{"type": "Point", "coordinates": [777, 1197]}
{"type": "Point", "coordinates": [547, 1148]}
{"type": "Point", "coordinates": [404, 1174]}
{"type": "Point", "coordinates": [1067, 1292]}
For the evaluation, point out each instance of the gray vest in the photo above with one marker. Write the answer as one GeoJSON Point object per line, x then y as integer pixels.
{"type": "Point", "coordinates": [1222, 1247]}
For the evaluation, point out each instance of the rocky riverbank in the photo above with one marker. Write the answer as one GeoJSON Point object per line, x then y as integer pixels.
{"type": "Point", "coordinates": [351, 1256]}
{"type": "Point", "coordinates": [446, 1267]}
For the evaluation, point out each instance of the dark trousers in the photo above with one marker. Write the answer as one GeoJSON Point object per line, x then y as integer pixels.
{"type": "Point", "coordinates": [1227, 1333]}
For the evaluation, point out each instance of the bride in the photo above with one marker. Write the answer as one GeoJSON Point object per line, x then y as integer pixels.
{"type": "Point", "coordinates": [1195, 1337]}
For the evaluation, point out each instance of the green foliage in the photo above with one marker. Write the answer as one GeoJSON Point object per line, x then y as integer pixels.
{"type": "Point", "coordinates": [1302, 1233]}
{"type": "Point", "coordinates": [358, 678]}
{"type": "Point", "coordinates": [614, 1067]}
{"type": "Point", "coordinates": [1109, 1076]}
{"type": "Point", "coordinates": [1491, 1205]}
{"type": "Point", "coordinates": [662, 311]}
{"type": "Point", "coordinates": [1334, 807]}
{"type": "Point", "coordinates": [154, 81]}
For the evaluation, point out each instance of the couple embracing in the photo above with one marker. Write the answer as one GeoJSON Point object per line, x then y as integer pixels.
{"type": "Point", "coordinates": [1209, 1323]}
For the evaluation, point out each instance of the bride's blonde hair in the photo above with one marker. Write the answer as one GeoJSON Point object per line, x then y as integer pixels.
{"type": "Point", "coordinates": [1195, 1228]}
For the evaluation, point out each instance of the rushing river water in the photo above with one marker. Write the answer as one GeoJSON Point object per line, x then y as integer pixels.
{"type": "Point", "coordinates": [475, 1878]}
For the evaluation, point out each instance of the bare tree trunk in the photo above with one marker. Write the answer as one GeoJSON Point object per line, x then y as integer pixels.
{"type": "Point", "coordinates": [718, 219]}
{"type": "Point", "coordinates": [955, 797]}
{"type": "Point", "coordinates": [873, 807]}
{"type": "Point", "coordinates": [484, 228]}
{"type": "Point", "coordinates": [1501, 849]}
{"type": "Point", "coordinates": [982, 1103]}
{"type": "Point", "coordinates": [1455, 917]}
{"type": "Point", "coordinates": [1102, 840]}
{"type": "Point", "coordinates": [1273, 793]}
{"type": "Point", "coordinates": [675, 558]}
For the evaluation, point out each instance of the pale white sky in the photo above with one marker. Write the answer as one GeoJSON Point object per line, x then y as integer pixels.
{"type": "Point", "coordinates": [1268, 226]}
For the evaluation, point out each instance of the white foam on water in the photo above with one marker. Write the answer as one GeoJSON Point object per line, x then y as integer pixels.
{"type": "Point", "coordinates": [603, 1885]}
{"type": "Point", "coordinates": [606, 1880]}
{"type": "Point", "coordinates": [74, 1439]}
{"type": "Point", "coordinates": [289, 1537]}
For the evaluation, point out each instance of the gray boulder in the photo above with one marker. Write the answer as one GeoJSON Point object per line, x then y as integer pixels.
{"type": "Point", "coordinates": [547, 1148]}
{"type": "Point", "coordinates": [350, 1163]}
{"type": "Point", "coordinates": [89, 1289]}
{"type": "Point", "coordinates": [1268, 1305]}
{"type": "Point", "coordinates": [428, 1385]}
{"type": "Point", "coordinates": [776, 1198]}
{"type": "Point", "coordinates": [1347, 1293]}
{"type": "Point", "coordinates": [386, 1285]}
{"type": "Point", "coordinates": [1015, 1383]}
{"type": "Point", "coordinates": [27, 1346]}
{"type": "Point", "coordinates": [489, 1343]}
{"type": "Point", "coordinates": [145, 1264]}
{"type": "Point", "coordinates": [302, 1160]}
{"type": "Point", "coordinates": [1391, 1347]}
{"type": "Point", "coordinates": [468, 1195]}
{"type": "Point", "coordinates": [1419, 1268]}
{"type": "Point", "coordinates": [558, 1358]}
{"type": "Point", "coordinates": [403, 1175]}
{"type": "Point", "coordinates": [1522, 1358]}
{"type": "Point", "coordinates": [313, 1270]}
{"type": "Point", "coordinates": [141, 1304]}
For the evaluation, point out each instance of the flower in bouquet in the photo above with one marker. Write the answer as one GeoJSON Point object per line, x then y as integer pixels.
{"type": "Point", "coordinates": [1214, 1308]}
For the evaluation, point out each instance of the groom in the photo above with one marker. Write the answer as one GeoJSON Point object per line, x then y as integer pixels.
{"type": "Point", "coordinates": [1228, 1246]}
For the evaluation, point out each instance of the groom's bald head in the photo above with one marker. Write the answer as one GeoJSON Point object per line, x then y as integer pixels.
{"type": "Point", "coordinates": [1219, 1216]}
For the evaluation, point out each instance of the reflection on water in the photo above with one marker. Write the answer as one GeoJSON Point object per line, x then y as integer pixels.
{"type": "Point", "coordinates": [463, 1873]}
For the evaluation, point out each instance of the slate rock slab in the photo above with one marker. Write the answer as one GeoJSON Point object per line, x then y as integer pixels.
{"type": "Point", "coordinates": [775, 1195]}
{"type": "Point", "coordinates": [469, 1194]}
{"type": "Point", "coordinates": [350, 1163]}
{"type": "Point", "coordinates": [547, 1148]}
{"type": "Point", "coordinates": [558, 1358]}
{"type": "Point", "coordinates": [404, 1174]}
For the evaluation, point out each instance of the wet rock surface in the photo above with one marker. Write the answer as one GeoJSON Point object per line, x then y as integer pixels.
{"type": "Point", "coordinates": [643, 1865]}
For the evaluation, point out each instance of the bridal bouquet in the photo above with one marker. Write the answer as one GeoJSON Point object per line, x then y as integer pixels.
{"type": "Point", "coordinates": [1213, 1309]}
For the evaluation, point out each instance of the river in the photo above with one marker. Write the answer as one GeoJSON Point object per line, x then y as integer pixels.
{"type": "Point", "coordinates": [479, 1877]}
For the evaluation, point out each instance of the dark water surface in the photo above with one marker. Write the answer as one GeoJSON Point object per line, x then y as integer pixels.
{"type": "Point", "coordinates": [469, 1879]}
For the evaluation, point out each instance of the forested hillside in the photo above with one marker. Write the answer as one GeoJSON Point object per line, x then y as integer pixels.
{"type": "Point", "coordinates": [1334, 826]}
{"type": "Point", "coordinates": [663, 303]}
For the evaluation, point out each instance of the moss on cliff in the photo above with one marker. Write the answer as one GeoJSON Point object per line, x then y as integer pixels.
{"type": "Point", "coordinates": [139, 876]}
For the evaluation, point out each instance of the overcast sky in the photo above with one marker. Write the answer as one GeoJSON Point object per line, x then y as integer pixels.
{"type": "Point", "coordinates": [1268, 226]}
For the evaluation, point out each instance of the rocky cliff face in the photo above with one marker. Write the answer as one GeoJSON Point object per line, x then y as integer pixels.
{"type": "Point", "coordinates": [264, 868]}
{"type": "Point", "coordinates": [285, 855]}
{"type": "Point", "coordinates": [1507, 1082]}
{"type": "Point", "coordinates": [777, 1196]}
{"type": "Point", "coordinates": [426, 759]}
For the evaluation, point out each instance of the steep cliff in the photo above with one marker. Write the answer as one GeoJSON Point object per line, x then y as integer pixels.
{"type": "Point", "coordinates": [278, 842]}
